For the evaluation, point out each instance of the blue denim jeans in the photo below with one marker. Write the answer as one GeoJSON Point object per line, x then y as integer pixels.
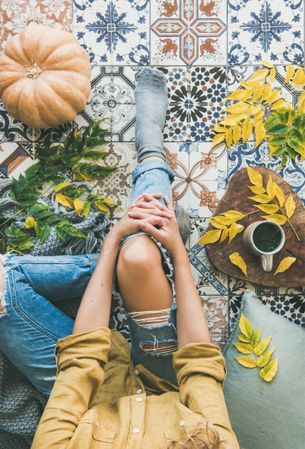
{"type": "Point", "coordinates": [30, 322]}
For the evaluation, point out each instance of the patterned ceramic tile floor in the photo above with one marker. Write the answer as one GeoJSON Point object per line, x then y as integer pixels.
{"type": "Point", "coordinates": [205, 48]}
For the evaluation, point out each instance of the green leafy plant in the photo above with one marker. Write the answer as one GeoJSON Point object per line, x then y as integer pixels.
{"type": "Point", "coordinates": [255, 350]}
{"type": "Point", "coordinates": [258, 109]}
{"type": "Point", "coordinates": [60, 179]}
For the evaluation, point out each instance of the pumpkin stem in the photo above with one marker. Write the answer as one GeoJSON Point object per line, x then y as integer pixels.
{"type": "Point", "coordinates": [34, 71]}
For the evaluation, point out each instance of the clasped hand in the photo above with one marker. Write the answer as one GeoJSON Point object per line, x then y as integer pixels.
{"type": "Point", "coordinates": [155, 219]}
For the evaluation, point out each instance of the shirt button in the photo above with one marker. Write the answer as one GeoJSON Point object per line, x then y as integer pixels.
{"type": "Point", "coordinates": [182, 423]}
{"type": "Point", "coordinates": [136, 430]}
{"type": "Point", "coordinates": [136, 371]}
{"type": "Point", "coordinates": [139, 391]}
{"type": "Point", "coordinates": [138, 399]}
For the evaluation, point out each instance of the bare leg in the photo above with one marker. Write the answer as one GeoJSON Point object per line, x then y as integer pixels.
{"type": "Point", "coordinates": [142, 281]}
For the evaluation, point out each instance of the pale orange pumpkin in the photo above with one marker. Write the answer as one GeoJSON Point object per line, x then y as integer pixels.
{"type": "Point", "coordinates": [44, 76]}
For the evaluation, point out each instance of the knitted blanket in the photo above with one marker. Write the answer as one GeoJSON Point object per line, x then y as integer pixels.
{"type": "Point", "coordinates": [21, 405]}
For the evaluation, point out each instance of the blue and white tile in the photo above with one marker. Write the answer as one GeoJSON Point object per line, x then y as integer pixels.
{"type": "Point", "coordinates": [179, 161]}
{"type": "Point", "coordinates": [265, 30]}
{"type": "Point", "coordinates": [114, 31]}
{"type": "Point", "coordinates": [246, 154]}
{"type": "Point", "coordinates": [14, 130]}
{"type": "Point", "coordinates": [216, 310]}
{"type": "Point", "coordinates": [117, 185]}
{"type": "Point", "coordinates": [208, 280]}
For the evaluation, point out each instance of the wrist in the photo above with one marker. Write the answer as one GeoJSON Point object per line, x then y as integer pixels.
{"type": "Point", "coordinates": [113, 239]}
{"type": "Point", "coordinates": [180, 253]}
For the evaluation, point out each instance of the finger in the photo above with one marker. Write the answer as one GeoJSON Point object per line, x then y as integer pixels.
{"type": "Point", "coordinates": [149, 229]}
{"type": "Point", "coordinates": [168, 204]}
{"type": "Point", "coordinates": [157, 221]}
{"type": "Point", "coordinates": [149, 204]}
{"type": "Point", "coordinates": [148, 212]}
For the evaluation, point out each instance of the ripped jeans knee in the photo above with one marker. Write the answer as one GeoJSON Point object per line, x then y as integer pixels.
{"type": "Point", "coordinates": [153, 340]}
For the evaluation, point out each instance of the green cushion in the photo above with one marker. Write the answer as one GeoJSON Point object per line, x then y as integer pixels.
{"type": "Point", "coordinates": [268, 415]}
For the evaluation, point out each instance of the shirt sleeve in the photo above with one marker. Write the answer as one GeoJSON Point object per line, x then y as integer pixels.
{"type": "Point", "coordinates": [201, 371]}
{"type": "Point", "coordinates": [80, 371]}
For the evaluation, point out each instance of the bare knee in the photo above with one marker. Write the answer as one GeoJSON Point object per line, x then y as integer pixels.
{"type": "Point", "coordinates": [138, 255]}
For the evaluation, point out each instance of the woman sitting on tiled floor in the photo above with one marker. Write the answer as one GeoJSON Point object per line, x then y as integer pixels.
{"type": "Point", "coordinates": [170, 395]}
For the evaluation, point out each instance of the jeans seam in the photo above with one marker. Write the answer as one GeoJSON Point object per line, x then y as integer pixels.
{"type": "Point", "coordinates": [21, 313]}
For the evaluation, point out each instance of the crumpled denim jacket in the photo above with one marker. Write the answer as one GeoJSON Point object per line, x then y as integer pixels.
{"type": "Point", "coordinates": [100, 400]}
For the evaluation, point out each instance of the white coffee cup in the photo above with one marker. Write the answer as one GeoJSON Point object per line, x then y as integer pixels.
{"type": "Point", "coordinates": [266, 257]}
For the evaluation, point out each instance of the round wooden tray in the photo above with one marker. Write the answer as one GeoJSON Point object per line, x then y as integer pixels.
{"type": "Point", "coordinates": [236, 198]}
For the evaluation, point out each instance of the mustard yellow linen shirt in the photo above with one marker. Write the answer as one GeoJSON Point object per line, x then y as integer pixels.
{"type": "Point", "coordinates": [101, 401]}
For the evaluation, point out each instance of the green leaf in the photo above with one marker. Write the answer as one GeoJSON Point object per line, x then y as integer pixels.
{"type": "Point", "coordinates": [60, 234]}
{"type": "Point", "coordinates": [73, 232]}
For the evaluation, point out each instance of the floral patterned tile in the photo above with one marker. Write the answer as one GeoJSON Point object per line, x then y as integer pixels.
{"type": "Point", "coordinates": [14, 130]}
{"type": "Point", "coordinates": [209, 281]}
{"type": "Point", "coordinates": [188, 32]}
{"type": "Point", "coordinates": [246, 154]}
{"type": "Point", "coordinates": [287, 306]}
{"type": "Point", "coordinates": [117, 185]}
{"type": "Point", "coordinates": [114, 31]}
{"type": "Point", "coordinates": [178, 160]}
{"type": "Point", "coordinates": [16, 14]}
{"type": "Point", "coordinates": [265, 30]}
{"type": "Point", "coordinates": [216, 309]}
{"type": "Point", "coordinates": [15, 158]}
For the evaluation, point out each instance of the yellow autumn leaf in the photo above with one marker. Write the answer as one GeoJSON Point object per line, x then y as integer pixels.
{"type": "Point", "coordinates": [272, 74]}
{"type": "Point", "coordinates": [262, 198]}
{"type": "Point", "coordinates": [234, 229]}
{"type": "Point", "coordinates": [260, 134]}
{"type": "Point", "coordinates": [236, 134]}
{"type": "Point", "coordinates": [221, 219]}
{"type": "Point", "coordinates": [234, 214]}
{"type": "Point", "coordinates": [216, 224]}
{"type": "Point", "coordinates": [273, 97]}
{"type": "Point", "coordinates": [108, 201]}
{"type": "Point", "coordinates": [258, 92]}
{"type": "Point", "coordinates": [247, 362]}
{"type": "Point", "coordinates": [258, 110]}
{"type": "Point", "coordinates": [78, 206]}
{"type": "Point", "coordinates": [236, 259]}
{"type": "Point", "coordinates": [270, 188]}
{"type": "Point", "coordinates": [238, 108]}
{"type": "Point", "coordinates": [219, 128]}
{"type": "Point", "coordinates": [87, 208]}
{"type": "Point", "coordinates": [240, 94]}
{"type": "Point", "coordinates": [64, 200]}
{"type": "Point", "coordinates": [262, 346]}
{"type": "Point", "coordinates": [224, 235]}
{"type": "Point", "coordinates": [269, 371]}
{"type": "Point", "coordinates": [101, 206]}
{"type": "Point", "coordinates": [279, 104]}
{"type": "Point", "coordinates": [279, 194]}
{"type": "Point", "coordinates": [217, 139]}
{"type": "Point", "coordinates": [245, 326]}
{"type": "Point", "coordinates": [268, 208]}
{"type": "Point", "coordinates": [30, 222]}
{"type": "Point", "coordinates": [289, 73]}
{"type": "Point", "coordinates": [243, 338]}
{"type": "Point", "coordinates": [299, 77]}
{"type": "Point", "coordinates": [229, 138]}
{"type": "Point", "coordinates": [61, 186]}
{"type": "Point", "coordinates": [290, 206]}
{"type": "Point", "coordinates": [267, 64]}
{"type": "Point", "coordinates": [267, 89]}
{"type": "Point", "coordinates": [264, 358]}
{"type": "Point", "coordinates": [244, 348]}
{"type": "Point", "coordinates": [276, 218]}
{"type": "Point", "coordinates": [254, 176]}
{"type": "Point", "coordinates": [285, 264]}
{"type": "Point", "coordinates": [210, 237]}
{"type": "Point", "coordinates": [246, 130]}
{"type": "Point", "coordinates": [259, 75]}
{"type": "Point", "coordinates": [301, 99]}
{"type": "Point", "coordinates": [233, 119]}
{"type": "Point", "coordinates": [257, 189]}
{"type": "Point", "coordinates": [256, 336]}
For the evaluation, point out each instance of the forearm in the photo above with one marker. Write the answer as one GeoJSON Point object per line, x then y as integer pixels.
{"type": "Point", "coordinates": [95, 307]}
{"type": "Point", "coordinates": [191, 322]}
